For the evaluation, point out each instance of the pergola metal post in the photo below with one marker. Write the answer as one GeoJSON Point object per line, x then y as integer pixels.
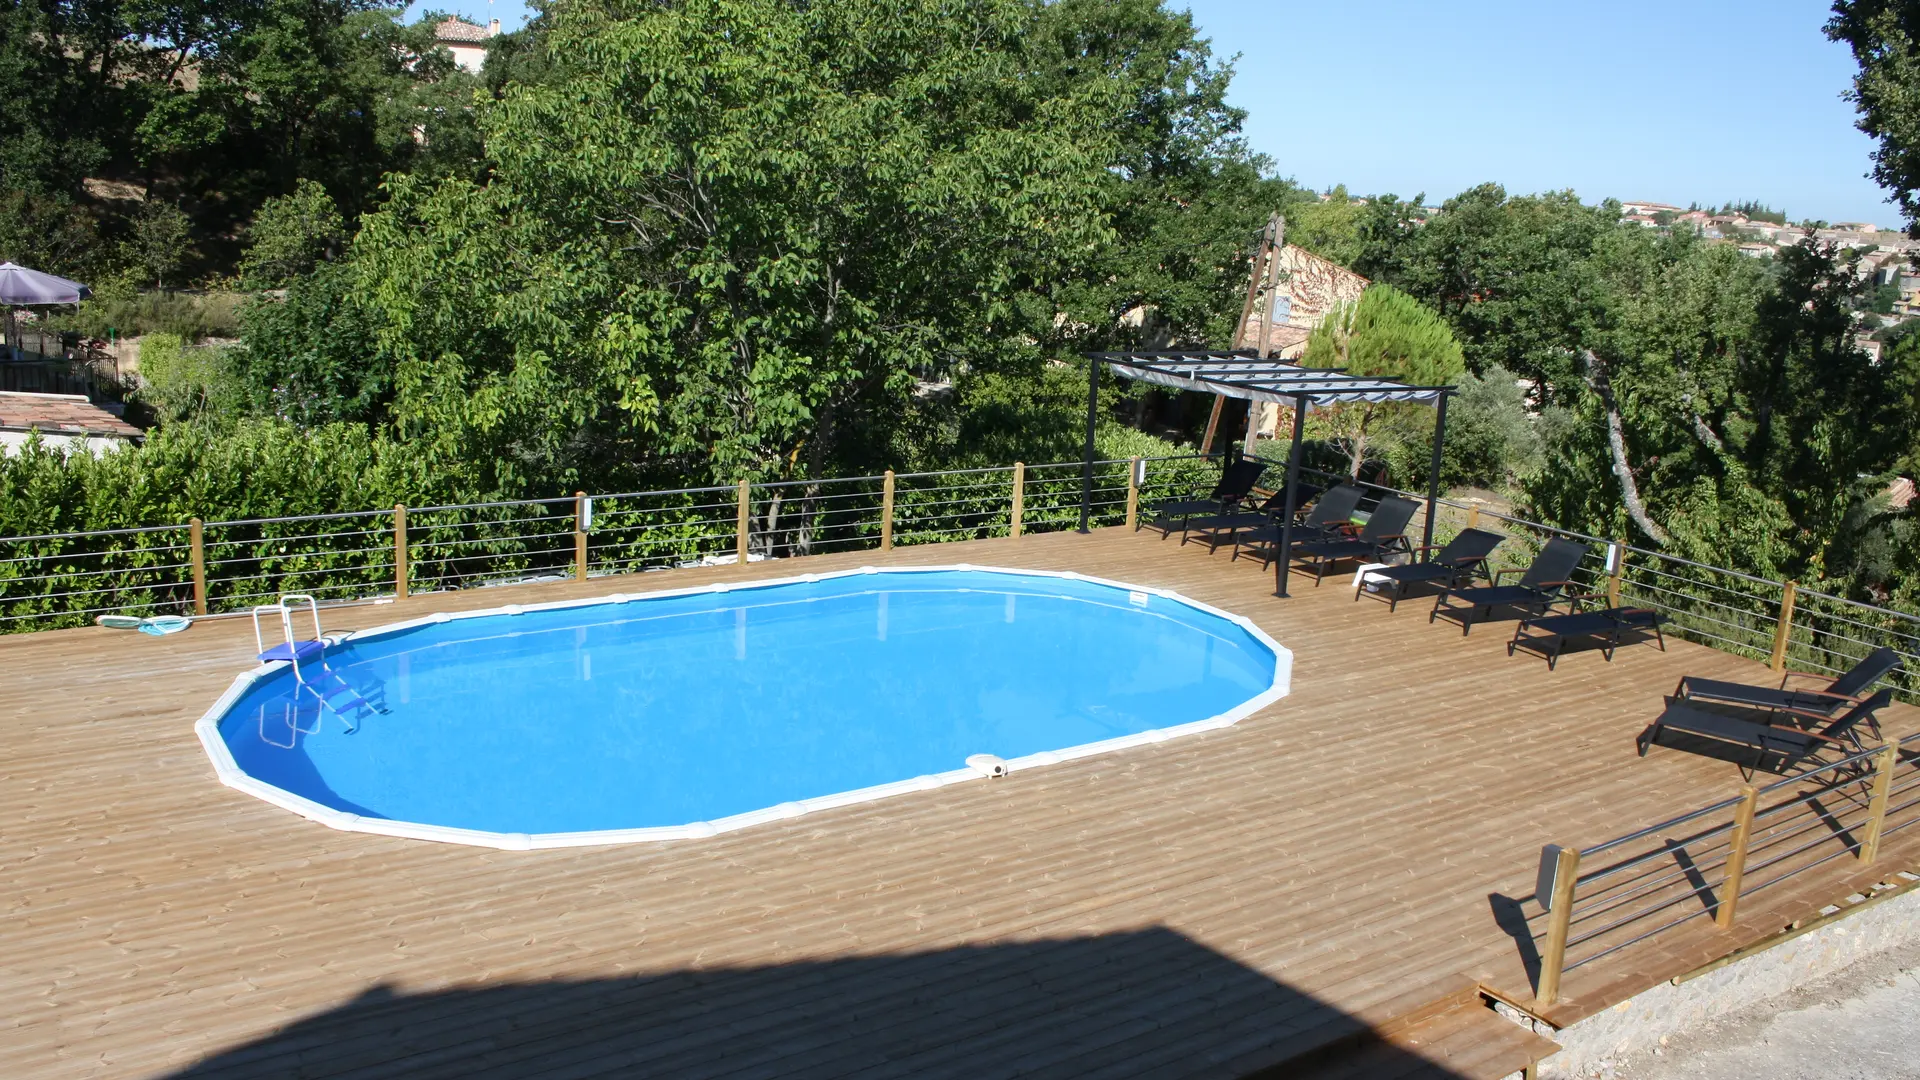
{"type": "Point", "coordinates": [1093, 416]}
{"type": "Point", "coordinates": [1293, 498]}
{"type": "Point", "coordinates": [1433, 471]}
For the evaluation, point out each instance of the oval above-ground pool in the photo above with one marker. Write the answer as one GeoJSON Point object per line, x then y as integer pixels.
{"type": "Point", "coordinates": [684, 713]}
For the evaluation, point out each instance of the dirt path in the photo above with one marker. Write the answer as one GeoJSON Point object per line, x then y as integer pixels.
{"type": "Point", "coordinates": [1863, 1022]}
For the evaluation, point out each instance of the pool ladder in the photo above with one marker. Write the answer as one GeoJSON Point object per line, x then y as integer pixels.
{"type": "Point", "coordinates": [309, 661]}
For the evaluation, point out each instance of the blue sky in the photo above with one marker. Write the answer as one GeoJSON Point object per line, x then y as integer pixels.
{"type": "Point", "coordinates": [1681, 101]}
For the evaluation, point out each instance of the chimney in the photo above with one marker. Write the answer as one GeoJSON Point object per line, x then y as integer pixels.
{"type": "Point", "coordinates": [493, 27]}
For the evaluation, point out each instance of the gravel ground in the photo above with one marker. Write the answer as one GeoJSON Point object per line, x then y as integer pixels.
{"type": "Point", "coordinates": [1862, 1023]}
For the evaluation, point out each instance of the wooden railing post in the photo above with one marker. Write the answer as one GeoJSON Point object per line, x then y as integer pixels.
{"type": "Point", "coordinates": [743, 523]}
{"type": "Point", "coordinates": [1736, 856]}
{"type": "Point", "coordinates": [197, 545]}
{"type": "Point", "coordinates": [886, 513]}
{"type": "Point", "coordinates": [1553, 954]}
{"type": "Point", "coordinates": [1783, 630]}
{"type": "Point", "coordinates": [1019, 496]}
{"type": "Point", "coordinates": [1133, 493]}
{"type": "Point", "coordinates": [1473, 516]}
{"type": "Point", "coordinates": [1877, 804]}
{"type": "Point", "coordinates": [399, 551]}
{"type": "Point", "coordinates": [580, 535]}
{"type": "Point", "coordinates": [1619, 571]}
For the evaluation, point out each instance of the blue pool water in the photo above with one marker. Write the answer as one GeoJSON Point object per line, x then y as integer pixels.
{"type": "Point", "coordinates": [672, 710]}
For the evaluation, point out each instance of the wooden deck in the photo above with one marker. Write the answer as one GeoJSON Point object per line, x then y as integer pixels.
{"type": "Point", "coordinates": [1212, 906]}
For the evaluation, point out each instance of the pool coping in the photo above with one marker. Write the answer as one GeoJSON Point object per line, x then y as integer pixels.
{"type": "Point", "coordinates": [231, 775]}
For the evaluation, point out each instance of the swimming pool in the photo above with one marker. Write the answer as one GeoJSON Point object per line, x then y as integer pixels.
{"type": "Point", "coordinates": [689, 712]}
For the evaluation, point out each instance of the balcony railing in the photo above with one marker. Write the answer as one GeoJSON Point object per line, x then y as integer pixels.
{"type": "Point", "coordinates": [215, 567]}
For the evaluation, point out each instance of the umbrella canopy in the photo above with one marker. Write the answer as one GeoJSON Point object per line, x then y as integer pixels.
{"type": "Point", "coordinates": [19, 285]}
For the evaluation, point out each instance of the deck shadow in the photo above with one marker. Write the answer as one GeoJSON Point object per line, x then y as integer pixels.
{"type": "Point", "coordinates": [1124, 1004]}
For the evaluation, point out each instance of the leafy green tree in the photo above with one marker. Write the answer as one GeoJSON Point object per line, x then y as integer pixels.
{"type": "Point", "coordinates": [1885, 38]}
{"type": "Point", "coordinates": [728, 236]}
{"type": "Point", "coordinates": [305, 357]}
{"type": "Point", "coordinates": [291, 235]}
{"type": "Point", "coordinates": [161, 233]}
{"type": "Point", "coordinates": [1492, 439]}
{"type": "Point", "coordinates": [1329, 227]}
{"type": "Point", "coordinates": [1385, 333]}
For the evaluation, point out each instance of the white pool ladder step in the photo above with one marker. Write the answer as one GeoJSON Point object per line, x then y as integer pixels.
{"type": "Point", "coordinates": [334, 693]}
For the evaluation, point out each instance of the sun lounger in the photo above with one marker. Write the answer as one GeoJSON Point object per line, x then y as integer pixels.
{"type": "Point", "coordinates": [1449, 567]}
{"type": "Point", "coordinates": [1229, 525]}
{"type": "Point", "coordinates": [1791, 744]}
{"type": "Point", "coordinates": [1236, 483]}
{"type": "Point", "coordinates": [1331, 514]}
{"type": "Point", "coordinates": [1384, 534]}
{"type": "Point", "coordinates": [1549, 634]}
{"type": "Point", "coordinates": [1539, 587]}
{"type": "Point", "coordinates": [1838, 694]}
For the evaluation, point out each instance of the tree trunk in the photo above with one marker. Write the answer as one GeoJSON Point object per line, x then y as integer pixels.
{"type": "Point", "coordinates": [1597, 378]}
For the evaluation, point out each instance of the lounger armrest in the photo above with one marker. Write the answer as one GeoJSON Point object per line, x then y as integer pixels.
{"type": "Point", "coordinates": [1784, 676]}
{"type": "Point", "coordinates": [1543, 586]}
{"type": "Point", "coordinates": [1495, 578]}
{"type": "Point", "coordinates": [1842, 743]}
{"type": "Point", "coordinates": [1806, 714]}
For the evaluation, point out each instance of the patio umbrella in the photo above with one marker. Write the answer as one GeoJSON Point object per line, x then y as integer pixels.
{"type": "Point", "coordinates": [20, 286]}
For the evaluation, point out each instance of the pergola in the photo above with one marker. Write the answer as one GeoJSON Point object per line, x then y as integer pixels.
{"type": "Point", "coordinates": [1252, 378]}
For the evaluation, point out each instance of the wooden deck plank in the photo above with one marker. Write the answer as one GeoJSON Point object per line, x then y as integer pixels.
{"type": "Point", "coordinates": [1331, 851]}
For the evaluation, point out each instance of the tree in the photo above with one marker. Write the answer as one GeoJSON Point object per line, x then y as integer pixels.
{"type": "Point", "coordinates": [728, 237]}
{"type": "Point", "coordinates": [160, 236]}
{"type": "Point", "coordinates": [1885, 38]}
{"type": "Point", "coordinates": [291, 235]}
{"type": "Point", "coordinates": [1385, 333]}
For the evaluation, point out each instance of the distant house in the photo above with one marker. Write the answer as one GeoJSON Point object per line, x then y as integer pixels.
{"type": "Point", "coordinates": [466, 41]}
{"type": "Point", "coordinates": [1309, 288]}
{"type": "Point", "coordinates": [68, 421]}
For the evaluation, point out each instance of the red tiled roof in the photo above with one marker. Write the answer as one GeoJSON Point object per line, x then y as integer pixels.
{"type": "Point", "coordinates": [458, 29]}
{"type": "Point", "coordinates": [61, 414]}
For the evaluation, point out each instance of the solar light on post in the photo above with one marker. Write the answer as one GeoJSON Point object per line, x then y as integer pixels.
{"type": "Point", "coordinates": [582, 521]}
{"type": "Point", "coordinates": [1133, 492]}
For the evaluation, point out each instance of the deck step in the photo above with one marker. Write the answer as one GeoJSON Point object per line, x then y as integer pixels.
{"type": "Point", "coordinates": [1444, 1031]}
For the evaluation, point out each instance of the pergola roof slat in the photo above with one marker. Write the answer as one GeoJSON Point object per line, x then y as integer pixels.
{"type": "Point", "coordinates": [1252, 378]}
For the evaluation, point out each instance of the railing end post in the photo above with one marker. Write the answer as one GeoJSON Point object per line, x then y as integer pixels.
{"type": "Point", "coordinates": [886, 512]}
{"type": "Point", "coordinates": [1559, 881]}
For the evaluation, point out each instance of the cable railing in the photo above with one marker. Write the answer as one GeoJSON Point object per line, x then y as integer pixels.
{"type": "Point", "coordinates": [1591, 903]}
{"type": "Point", "coordinates": [217, 567]}
{"type": "Point", "coordinates": [1791, 628]}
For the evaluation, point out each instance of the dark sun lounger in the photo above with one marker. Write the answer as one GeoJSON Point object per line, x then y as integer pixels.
{"type": "Point", "coordinates": [1236, 483]}
{"type": "Point", "coordinates": [1792, 745]}
{"type": "Point", "coordinates": [1839, 693]}
{"type": "Point", "coordinates": [1331, 513]}
{"type": "Point", "coordinates": [1538, 589]}
{"type": "Point", "coordinates": [1229, 525]}
{"type": "Point", "coordinates": [1384, 533]}
{"type": "Point", "coordinates": [1548, 635]}
{"type": "Point", "coordinates": [1452, 566]}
